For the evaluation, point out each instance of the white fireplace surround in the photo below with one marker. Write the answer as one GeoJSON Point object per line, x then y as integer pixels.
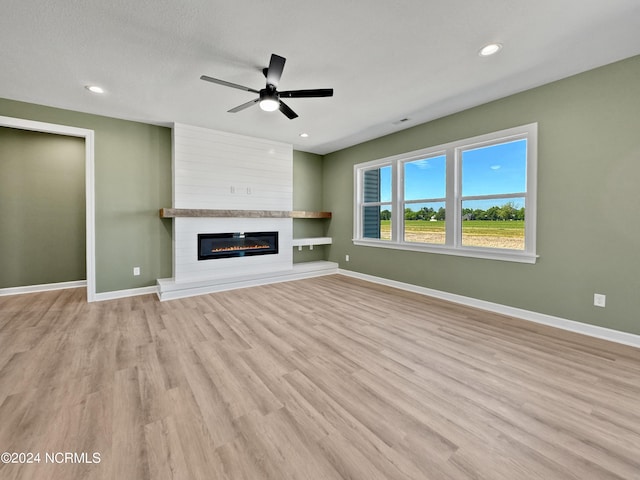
{"type": "Point", "coordinates": [219, 170]}
{"type": "Point", "coordinates": [187, 267]}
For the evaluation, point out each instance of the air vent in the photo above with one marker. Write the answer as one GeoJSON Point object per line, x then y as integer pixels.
{"type": "Point", "coordinates": [401, 121]}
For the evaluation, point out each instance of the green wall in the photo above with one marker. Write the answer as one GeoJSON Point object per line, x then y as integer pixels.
{"type": "Point", "coordinates": [132, 181]}
{"type": "Point", "coordinates": [42, 208]}
{"type": "Point", "coordinates": [588, 171]}
{"type": "Point", "coordinates": [307, 195]}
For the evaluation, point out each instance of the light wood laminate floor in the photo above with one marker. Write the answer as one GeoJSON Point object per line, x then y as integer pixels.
{"type": "Point", "coordinates": [326, 378]}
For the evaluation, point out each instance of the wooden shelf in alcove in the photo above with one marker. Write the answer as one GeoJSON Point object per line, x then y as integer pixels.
{"type": "Point", "coordinates": [201, 213]}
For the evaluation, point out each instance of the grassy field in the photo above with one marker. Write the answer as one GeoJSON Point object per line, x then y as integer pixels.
{"type": "Point", "coordinates": [475, 233]}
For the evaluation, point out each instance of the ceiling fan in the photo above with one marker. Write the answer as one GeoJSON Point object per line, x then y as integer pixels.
{"type": "Point", "coordinates": [269, 97]}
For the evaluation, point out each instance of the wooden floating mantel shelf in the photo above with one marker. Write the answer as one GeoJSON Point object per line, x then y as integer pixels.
{"type": "Point", "coordinates": [308, 214]}
{"type": "Point", "coordinates": [200, 213]}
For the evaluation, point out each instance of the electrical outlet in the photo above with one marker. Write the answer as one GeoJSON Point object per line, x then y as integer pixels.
{"type": "Point", "coordinates": [599, 300]}
{"type": "Point", "coordinates": [136, 271]}
{"type": "Point", "coordinates": [346, 258]}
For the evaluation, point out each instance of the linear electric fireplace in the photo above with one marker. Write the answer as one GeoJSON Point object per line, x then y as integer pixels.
{"type": "Point", "coordinates": [226, 245]}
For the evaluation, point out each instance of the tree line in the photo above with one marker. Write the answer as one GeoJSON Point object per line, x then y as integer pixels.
{"type": "Point", "coordinates": [508, 211]}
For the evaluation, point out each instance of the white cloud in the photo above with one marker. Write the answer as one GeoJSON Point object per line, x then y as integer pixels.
{"type": "Point", "coordinates": [422, 164]}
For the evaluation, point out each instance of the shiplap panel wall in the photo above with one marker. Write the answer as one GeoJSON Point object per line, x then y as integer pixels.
{"type": "Point", "coordinates": [220, 170]}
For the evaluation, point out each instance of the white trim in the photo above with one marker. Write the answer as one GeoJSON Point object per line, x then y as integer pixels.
{"type": "Point", "coordinates": [484, 253]}
{"type": "Point", "coordinates": [544, 319]}
{"type": "Point", "coordinates": [131, 292]}
{"type": "Point", "coordinates": [89, 169]}
{"type": "Point", "coordinates": [45, 287]}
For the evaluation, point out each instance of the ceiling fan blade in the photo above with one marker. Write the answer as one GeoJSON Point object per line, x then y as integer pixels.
{"type": "Point", "coordinates": [243, 106]}
{"type": "Point", "coordinates": [318, 92]}
{"type": "Point", "coordinates": [284, 108]}
{"type": "Point", "coordinates": [274, 72]}
{"type": "Point", "coordinates": [227, 84]}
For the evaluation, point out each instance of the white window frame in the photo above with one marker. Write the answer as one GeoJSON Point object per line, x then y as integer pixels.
{"type": "Point", "coordinates": [453, 201]}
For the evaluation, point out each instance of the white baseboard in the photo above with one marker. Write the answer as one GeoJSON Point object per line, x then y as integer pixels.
{"type": "Point", "coordinates": [562, 323]}
{"type": "Point", "coordinates": [132, 292]}
{"type": "Point", "coordinates": [45, 287]}
{"type": "Point", "coordinates": [169, 289]}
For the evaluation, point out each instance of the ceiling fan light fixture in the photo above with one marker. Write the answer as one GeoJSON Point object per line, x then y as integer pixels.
{"type": "Point", "coordinates": [269, 101]}
{"type": "Point", "coordinates": [269, 104]}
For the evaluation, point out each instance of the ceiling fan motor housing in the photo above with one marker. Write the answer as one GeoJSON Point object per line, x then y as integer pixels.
{"type": "Point", "coordinates": [269, 93]}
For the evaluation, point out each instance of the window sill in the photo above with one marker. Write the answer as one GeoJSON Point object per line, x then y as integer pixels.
{"type": "Point", "coordinates": [484, 253]}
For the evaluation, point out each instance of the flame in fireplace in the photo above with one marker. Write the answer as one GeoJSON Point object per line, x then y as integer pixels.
{"type": "Point", "coordinates": [239, 247]}
{"type": "Point", "coordinates": [227, 245]}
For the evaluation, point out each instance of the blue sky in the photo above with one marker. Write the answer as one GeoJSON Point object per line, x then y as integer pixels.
{"type": "Point", "coordinates": [496, 169]}
{"type": "Point", "coordinates": [425, 178]}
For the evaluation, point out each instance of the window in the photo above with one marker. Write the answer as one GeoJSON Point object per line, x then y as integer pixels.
{"type": "Point", "coordinates": [473, 197]}
{"type": "Point", "coordinates": [424, 200]}
{"type": "Point", "coordinates": [493, 195]}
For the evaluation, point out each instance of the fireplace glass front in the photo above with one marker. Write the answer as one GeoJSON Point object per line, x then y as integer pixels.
{"type": "Point", "coordinates": [225, 245]}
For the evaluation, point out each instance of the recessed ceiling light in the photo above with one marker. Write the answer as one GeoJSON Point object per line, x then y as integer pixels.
{"type": "Point", "coordinates": [304, 135]}
{"type": "Point", "coordinates": [490, 49]}
{"type": "Point", "coordinates": [94, 89]}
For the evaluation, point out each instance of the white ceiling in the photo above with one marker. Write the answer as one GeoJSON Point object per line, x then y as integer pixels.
{"type": "Point", "coordinates": [386, 59]}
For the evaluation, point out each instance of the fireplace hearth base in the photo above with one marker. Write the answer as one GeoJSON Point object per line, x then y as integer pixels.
{"type": "Point", "coordinates": [170, 289]}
